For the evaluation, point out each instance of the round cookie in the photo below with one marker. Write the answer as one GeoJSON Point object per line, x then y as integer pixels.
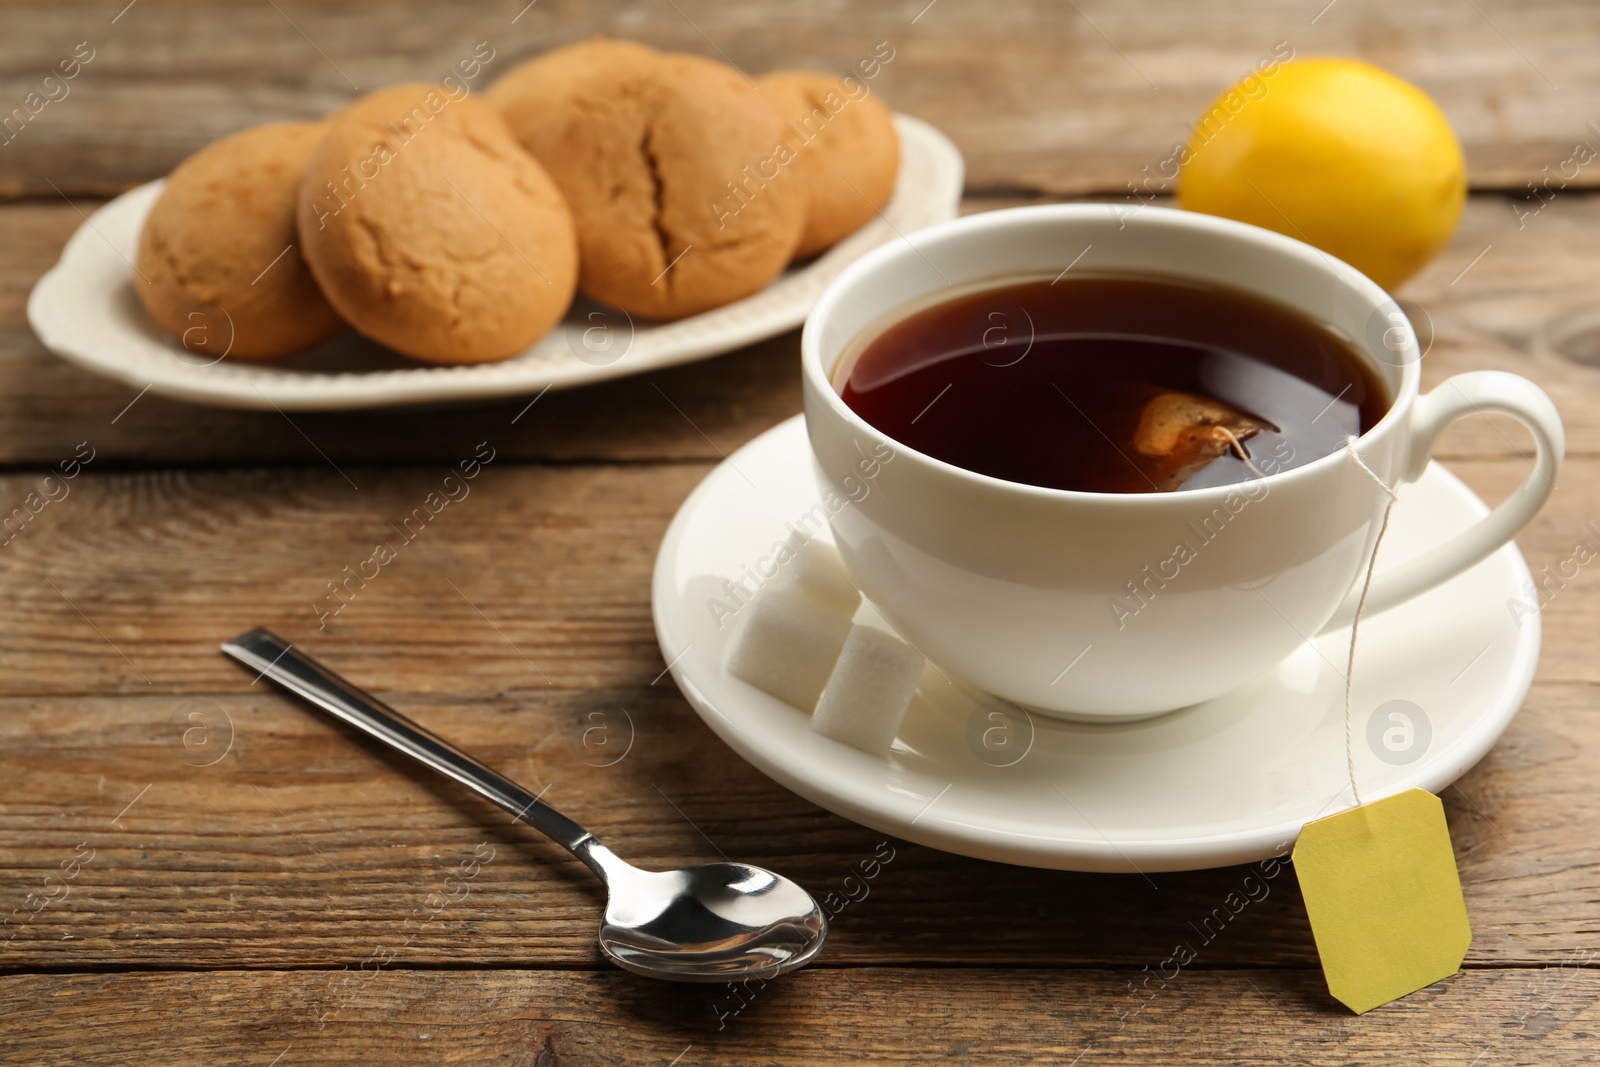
{"type": "Point", "coordinates": [675, 169]}
{"type": "Point", "coordinates": [432, 231]}
{"type": "Point", "coordinates": [219, 258]}
{"type": "Point", "coordinates": [849, 153]}
{"type": "Point", "coordinates": [530, 87]}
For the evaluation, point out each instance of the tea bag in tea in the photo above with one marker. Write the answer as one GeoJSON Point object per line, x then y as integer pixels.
{"type": "Point", "coordinates": [1182, 433]}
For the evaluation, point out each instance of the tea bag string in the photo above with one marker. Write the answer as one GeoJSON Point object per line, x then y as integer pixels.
{"type": "Point", "coordinates": [1355, 623]}
{"type": "Point", "coordinates": [1241, 452]}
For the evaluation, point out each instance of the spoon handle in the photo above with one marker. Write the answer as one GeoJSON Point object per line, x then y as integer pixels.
{"type": "Point", "coordinates": [278, 660]}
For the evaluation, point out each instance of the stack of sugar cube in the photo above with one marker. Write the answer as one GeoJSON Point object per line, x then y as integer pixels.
{"type": "Point", "coordinates": [801, 644]}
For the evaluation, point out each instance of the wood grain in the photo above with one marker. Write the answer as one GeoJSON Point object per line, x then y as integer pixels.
{"type": "Point", "coordinates": [303, 845]}
{"type": "Point", "coordinates": [1041, 97]}
{"type": "Point", "coordinates": [516, 613]}
{"type": "Point", "coordinates": [539, 577]}
{"type": "Point", "coordinates": [238, 865]}
{"type": "Point", "coordinates": [1007, 1018]}
{"type": "Point", "coordinates": [1526, 305]}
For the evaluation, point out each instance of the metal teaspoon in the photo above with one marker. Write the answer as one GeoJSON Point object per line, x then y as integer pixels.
{"type": "Point", "coordinates": [713, 923]}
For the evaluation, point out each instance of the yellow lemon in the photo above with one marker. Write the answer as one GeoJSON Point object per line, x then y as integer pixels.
{"type": "Point", "coordinates": [1338, 153]}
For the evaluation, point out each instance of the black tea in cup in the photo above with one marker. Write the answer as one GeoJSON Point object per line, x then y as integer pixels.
{"type": "Point", "coordinates": [1113, 383]}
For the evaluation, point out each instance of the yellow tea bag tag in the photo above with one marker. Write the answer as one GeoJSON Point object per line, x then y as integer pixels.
{"type": "Point", "coordinates": [1384, 898]}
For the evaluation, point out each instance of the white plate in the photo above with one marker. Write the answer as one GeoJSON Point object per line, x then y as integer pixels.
{"type": "Point", "coordinates": [85, 311]}
{"type": "Point", "coordinates": [1229, 781]}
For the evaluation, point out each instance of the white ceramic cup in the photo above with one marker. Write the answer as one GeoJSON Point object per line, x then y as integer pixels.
{"type": "Point", "coordinates": [1011, 587]}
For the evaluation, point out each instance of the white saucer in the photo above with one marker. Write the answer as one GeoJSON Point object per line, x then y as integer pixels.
{"type": "Point", "coordinates": [1229, 781]}
{"type": "Point", "coordinates": [85, 310]}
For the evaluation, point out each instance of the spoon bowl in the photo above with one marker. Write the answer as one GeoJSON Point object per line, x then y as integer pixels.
{"type": "Point", "coordinates": [712, 923]}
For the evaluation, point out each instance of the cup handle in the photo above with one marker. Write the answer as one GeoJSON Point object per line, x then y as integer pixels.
{"type": "Point", "coordinates": [1474, 393]}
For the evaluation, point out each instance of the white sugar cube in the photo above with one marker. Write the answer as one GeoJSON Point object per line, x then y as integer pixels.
{"type": "Point", "coordinates": [789, 644]}
{"type": "Point", "coordinates": [872, 685]}
{"type": "Point", "coordinates": [818, 566]}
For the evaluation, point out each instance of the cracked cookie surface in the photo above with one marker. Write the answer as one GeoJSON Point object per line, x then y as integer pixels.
{"type": "Point", "coordinates": [433, 231]}
{"type": "Point", "coordinates": [219, 262]}
{"type": "Point", "coordinates": [674, 166]}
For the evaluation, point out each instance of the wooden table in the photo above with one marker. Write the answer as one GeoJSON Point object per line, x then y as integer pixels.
{"type": "Point", "coordinates": [301, 899]}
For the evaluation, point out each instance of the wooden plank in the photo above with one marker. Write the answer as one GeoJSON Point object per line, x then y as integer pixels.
{"type": "Point", "coordinates": [1525, 306]}
{"type": "Point", "coordinates": [244, 831]}
{"type": "Point", "coordinates": [539, 576]}
{"type": "Point", "coordinates": [1007, 1018]}
{"type": "Point", "coordinates": [1040, 97]}
{"type": "Point", "coordinates": [519, 611]}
